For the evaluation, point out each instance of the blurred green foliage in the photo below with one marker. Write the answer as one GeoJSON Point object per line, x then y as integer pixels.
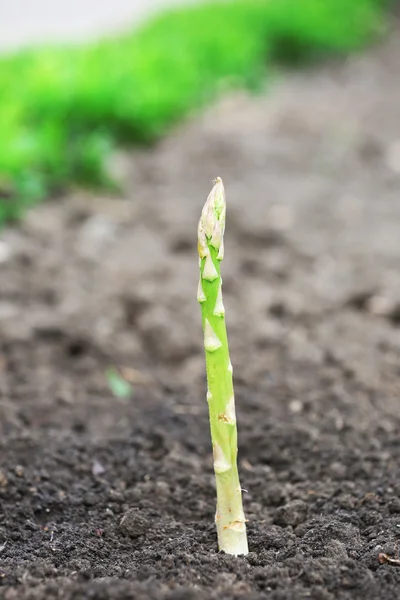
{"type": "Point", "coordinates": [62, 110]}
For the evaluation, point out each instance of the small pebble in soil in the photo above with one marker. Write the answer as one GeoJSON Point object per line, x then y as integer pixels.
{"type": "Point", "coordinates": [97, 468]}
{"type": "Point", "coordinates": [380, 306]}
{"type": "Point", "coordinates": [293, 513]}
{"type": "Point", "coordinates": [296, 406]}
{"type": "Point", "coordinates": [134, 524]}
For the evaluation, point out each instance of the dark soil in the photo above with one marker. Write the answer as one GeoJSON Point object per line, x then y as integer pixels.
{"type": "Point", "coordinates": [111, 498]}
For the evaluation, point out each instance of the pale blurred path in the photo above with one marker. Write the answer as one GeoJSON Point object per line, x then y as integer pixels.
{"type": "Point", "coordinates": [27, 22]}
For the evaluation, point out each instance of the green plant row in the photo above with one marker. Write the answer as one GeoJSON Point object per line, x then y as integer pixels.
{"type": "Point", "coordinates": [62, 110]}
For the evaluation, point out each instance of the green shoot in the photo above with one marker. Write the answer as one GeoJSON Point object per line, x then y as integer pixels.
{"type": "Point", "coordinates": [119, 387]}
{"type": "Point", "coordinates": [230, 519]}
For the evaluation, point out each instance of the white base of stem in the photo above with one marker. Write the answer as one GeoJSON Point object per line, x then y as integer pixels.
{"type": "Point", "coordinates": [232, 542]}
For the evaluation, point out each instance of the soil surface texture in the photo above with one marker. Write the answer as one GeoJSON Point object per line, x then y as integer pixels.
{"type": "Point", "coordinates": [106, 497]}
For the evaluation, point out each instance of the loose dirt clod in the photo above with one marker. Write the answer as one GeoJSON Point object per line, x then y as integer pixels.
{"type": "Point", "coordinates": [293, 513]}
{"type": "Point", "coordinates": [134, 524]}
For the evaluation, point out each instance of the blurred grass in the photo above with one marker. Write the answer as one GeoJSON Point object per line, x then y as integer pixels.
{"type": "Point", "coordinates": [62, 110]}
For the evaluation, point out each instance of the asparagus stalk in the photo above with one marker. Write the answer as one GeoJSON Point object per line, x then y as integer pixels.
{"type": "Point", "coordinates": [230, 519]}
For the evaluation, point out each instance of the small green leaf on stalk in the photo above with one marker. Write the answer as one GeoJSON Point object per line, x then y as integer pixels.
{"type": "Point", "coordinates": [119, 387]}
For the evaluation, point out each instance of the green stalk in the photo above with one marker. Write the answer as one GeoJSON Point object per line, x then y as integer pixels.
{"type": "Point", "coordinates": [229, 518]}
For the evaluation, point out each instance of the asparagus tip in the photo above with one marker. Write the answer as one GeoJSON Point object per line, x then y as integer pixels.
{"type": "Point", "coordinates": [212, 221]}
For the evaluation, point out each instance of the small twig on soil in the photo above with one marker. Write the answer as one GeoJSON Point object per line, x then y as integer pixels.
{"type": "Point", "coordinates": [384, 559]}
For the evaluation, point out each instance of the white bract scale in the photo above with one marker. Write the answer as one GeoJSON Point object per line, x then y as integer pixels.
{"type": "Point", "coordinates": [201, 241]}
{"type": "Point", "coordinates": [229, 416]}
{"type": "Point", "coordinates": [209, 396]}
{"type": "Point", "coordinates": [221, 463]}
{"type": "Point", "coordinates": [218, 234]}
{"type": "Point", "coordinates": [230, 411]}
{"type": "Point", "coordinates": [230, 368]}
{"type": "Point", "coordinates": [211, 340]}
{"type": "Point", "coordinates": [220, 255]}
{"type": "Point", "coordinates": [201, 297]}
{"type": "Point", "coordinates": [219, 309]}
{"type": "Point", "coordinates": [210, 273]}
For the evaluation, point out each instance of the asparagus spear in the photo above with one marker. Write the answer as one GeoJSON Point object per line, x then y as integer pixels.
{"type": "Point", "coordinates": [230, 519]}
